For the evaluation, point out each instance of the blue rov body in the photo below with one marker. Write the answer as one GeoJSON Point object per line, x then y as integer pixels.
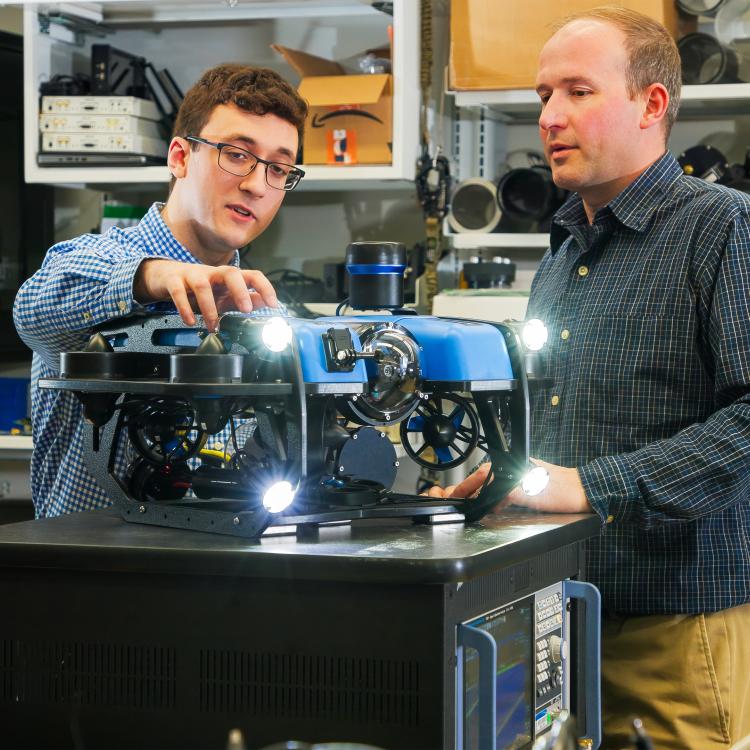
{"type": "Point", "coordinates": [450, 350]}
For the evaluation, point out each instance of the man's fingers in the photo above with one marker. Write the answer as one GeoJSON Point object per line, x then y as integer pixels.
{"type": "Point", "coordinates": [473, 483]}
{"type": "Point", "coordinates": [262, 286]}
{"type": "Point", "coordinates": [204, 298]}
{"type": "Point", "coordinates": [436, 491]}
{"type": "Point", "coordinates": [211, 288]}
{"type": "Point", "coordinates": [226, 302]}
{"type": "Point", "coordinates": [256, 299]}
{"type": "Point", "coordinates": [238, 291]}
{"type": "Point", "coordinates": [179, 296]}
{"type": "Point", "coordinates": [468, 488]}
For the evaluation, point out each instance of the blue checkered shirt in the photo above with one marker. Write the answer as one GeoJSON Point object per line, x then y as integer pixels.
{"type": "Point", "coordinates": [82, 283]}
{"type": "Point", "coordinates": [648, 310]}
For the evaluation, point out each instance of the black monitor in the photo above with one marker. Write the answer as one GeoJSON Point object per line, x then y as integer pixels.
{"type": "Point", "coordinates": [512, 628]}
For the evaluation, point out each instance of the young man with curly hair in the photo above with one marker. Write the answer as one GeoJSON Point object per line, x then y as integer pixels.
{"type": "Point", "coordinates": [232, 158]}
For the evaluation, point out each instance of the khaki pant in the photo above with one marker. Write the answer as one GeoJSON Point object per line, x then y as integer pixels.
{"type": "Point", "coordinates": [687, 677]}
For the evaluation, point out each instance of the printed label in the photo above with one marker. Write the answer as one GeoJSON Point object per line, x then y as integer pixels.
{"type": "Point", "coordinates": [342, 146]}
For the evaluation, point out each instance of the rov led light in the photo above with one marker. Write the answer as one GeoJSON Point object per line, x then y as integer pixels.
{"type": "Point", "coordinates": [279, 497]}
{"type": "Point", "coordinates": [535, 481]}
{"type": "Point", "coordinates": [534, 335]}
{"type": "Point", "coordinates": [277, 334]}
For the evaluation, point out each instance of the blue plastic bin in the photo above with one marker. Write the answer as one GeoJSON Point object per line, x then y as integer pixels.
{"type": "Point", "coordinates": [14, 399]}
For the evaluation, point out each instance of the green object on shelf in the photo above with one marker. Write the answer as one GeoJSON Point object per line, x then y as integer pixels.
{"type": "Point", "coordinates": [123, 211]}
{"type": "Point", "coordinates": [121, 215]}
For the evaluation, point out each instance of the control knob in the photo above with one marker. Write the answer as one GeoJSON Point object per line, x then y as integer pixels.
{"type": "Point", "coordinates": [555, 648]}
{"type": "Point", "coordinates": [556, 677]}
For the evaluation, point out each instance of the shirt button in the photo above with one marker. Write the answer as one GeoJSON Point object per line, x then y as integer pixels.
{"type": "Point", "coordinates": [555, 400]}
{"type": "Point", "coordinates": [87, 316]}
{"type": "Point", "coordinates": [610, 519]}
{"type": "Point", "coordinates": [123, 306]}
{"type": "Point", "coordinates": [583, 271]}
{"type": "Point", "coordinates": [565, 335]}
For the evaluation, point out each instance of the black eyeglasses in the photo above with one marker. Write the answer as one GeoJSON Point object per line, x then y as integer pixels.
{"type": "Point", "coordinates": [240, 162]}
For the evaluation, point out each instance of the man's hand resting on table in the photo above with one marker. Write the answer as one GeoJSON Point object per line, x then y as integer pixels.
{"type": "Point", "coordinates": [563, 494]}
{"type": "Point", "coordinates": [211, 289]}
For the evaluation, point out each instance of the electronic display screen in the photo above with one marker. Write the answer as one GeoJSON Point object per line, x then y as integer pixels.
{"type": "Point", "coordinates": [512, 628]}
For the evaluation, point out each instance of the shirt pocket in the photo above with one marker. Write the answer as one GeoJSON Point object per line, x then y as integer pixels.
{"type": "Point", "coordinates": [641, 372]}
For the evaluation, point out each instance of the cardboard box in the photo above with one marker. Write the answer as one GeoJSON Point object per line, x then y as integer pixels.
{"type": "Point", "coordinates": [495, 44]}
{"type": "Point", "coordinates": [350, 118]}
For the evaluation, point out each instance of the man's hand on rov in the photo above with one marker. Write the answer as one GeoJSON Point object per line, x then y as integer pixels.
{"type": "Point", "coordinates": [210, 289]}
{"type": "Point", "coordinates": [468, 488]}
{"type": "Point", "coordinates": [563, 494]}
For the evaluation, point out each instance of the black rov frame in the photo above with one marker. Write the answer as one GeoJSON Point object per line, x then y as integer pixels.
{"type": "Point", "coordinates": [164, 398]}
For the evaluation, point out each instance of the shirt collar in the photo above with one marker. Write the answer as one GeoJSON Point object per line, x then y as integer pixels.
{"type": "Point", "coordinates": [633, 207]}
{"type": "Point", "coordinates": [159, 237]}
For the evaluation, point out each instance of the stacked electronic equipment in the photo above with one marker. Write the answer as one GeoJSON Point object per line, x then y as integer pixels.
{"type": "Point", "coordinates": [119, 116]}
{"type": "Point", "coordinates": [97, 130]}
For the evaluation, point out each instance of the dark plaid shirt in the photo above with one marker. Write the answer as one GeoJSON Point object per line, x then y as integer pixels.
{"type": "Point", "coordinates": [648, 310]}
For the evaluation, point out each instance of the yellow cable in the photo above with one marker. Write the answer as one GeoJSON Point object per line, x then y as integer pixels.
{"type": "Point", "coordinates": [215, 454]}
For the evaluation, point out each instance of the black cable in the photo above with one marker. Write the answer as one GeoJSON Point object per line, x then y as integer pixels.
{"type": "Point", "coordinates": [291, 273]}
{"type": "Point", "coordinates": [293, 286]}
{"type": "Point", "coordinates": [240, 459]}
{"type": "Point", "coordinates": [234, 434]}
{"type": "Point", "coordinates": [287, 275]}
{"type": "Point", "coordinates": [344, 303]}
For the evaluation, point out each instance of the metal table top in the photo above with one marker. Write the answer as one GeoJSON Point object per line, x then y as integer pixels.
{"type": "Point", "coordinates": [393, 553]}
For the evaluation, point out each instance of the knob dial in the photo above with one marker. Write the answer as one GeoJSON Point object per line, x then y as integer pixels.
{"type": "Point", "coordinates": [555, 648]}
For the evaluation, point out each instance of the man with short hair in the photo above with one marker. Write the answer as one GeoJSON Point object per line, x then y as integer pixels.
{"type": "Point", "coordinates": [232, 159]}
{"type": "Point", "coordinates": [645, 291]}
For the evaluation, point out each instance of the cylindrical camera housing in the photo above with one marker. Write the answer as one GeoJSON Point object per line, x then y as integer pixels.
{"type": "Point", "coordinates": [474, 208]}
{"type": "Point", "coordinates": [529, 194]}
{"type": "Point", "coordinates": [705, 60]}
{"type": "Point", "coordinates": [376, 275]}
{"type": "Point", "coordinates": [700, 7]}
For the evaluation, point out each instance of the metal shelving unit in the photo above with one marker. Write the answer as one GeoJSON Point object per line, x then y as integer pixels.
{"type": "Point", "coordinates": [696, 101]}
{"type": "Point", "coordinates": [49, 49]}
{"type": "Point", "coordinates": [517, 240]}
{"type": "Point", "coordinates": [15, 447]}
{"type": "Point", "coordinates": [521, 106]}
